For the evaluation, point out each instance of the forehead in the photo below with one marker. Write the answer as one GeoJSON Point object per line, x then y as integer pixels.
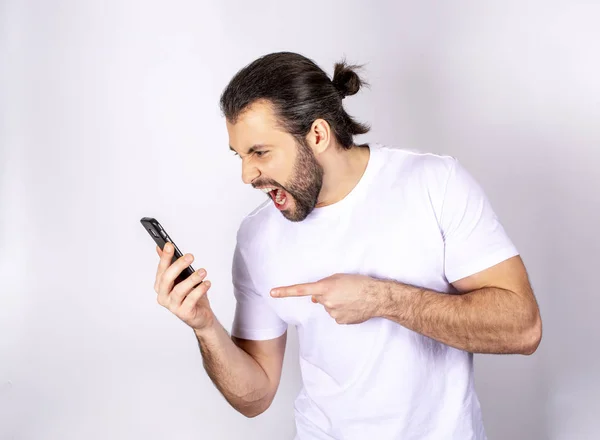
{"type": "Point", "coordinates": [257, 115]}
{"type": "Point", "coordinates": [257, 125]}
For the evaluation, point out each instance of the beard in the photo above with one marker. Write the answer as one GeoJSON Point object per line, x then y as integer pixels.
{"type": "Point", "coordinates": [304, 186]}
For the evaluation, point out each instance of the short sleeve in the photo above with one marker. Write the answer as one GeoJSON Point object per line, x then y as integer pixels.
{"type": "Point", "coordinates": [474, 238]}
{"type": "Point", "coordinates": [254, 318]}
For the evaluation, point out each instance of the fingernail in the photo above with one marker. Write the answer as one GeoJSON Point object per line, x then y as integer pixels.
{"type": "Point", "coordinates": [201, 272]}
{"type": "Point", "coordinates": [207, 283]}
{"type": "Point", "coordinates": [167, 247]}
{"type": "Point", "coordinates": [189, 258]}
{"type": "Point", "coordinates": [274, 292]}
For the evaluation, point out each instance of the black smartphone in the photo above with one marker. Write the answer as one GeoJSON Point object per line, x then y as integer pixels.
{"type": "Point", "coordinates": [160, 237]}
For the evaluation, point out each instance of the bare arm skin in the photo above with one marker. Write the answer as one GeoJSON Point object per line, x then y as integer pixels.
{"type": "Point", "coordinates": [496, 311]}
{"type": "Point", "coordinates": [247, 373]}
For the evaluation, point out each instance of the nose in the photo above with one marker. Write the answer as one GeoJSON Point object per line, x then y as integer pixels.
{"type": "Point", "coordinates": [249, 173]}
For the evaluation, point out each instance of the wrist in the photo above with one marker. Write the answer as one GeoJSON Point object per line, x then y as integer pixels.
{"type": "Point", "coordinates": [380, 294]}
{"type": "Point", "coordinates": [207, 330]}
{"type": "Point", "coordinates": [391, 299]}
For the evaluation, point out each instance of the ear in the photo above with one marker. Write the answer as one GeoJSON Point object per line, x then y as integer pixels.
{"type": "Point", "coordinates": [319, 137]}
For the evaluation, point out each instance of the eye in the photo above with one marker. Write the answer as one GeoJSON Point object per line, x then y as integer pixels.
{"type": "Point", "coordinates": [260, 153]}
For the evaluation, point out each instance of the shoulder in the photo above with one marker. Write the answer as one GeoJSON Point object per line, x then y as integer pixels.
{"type": "Point", "coordinates": [422, 161]}
{"type": "Point", "coordinates": [254, 225]}
{"type": "Point", "coordinates": [409, 166]}
{"type": "Point", "coordinates": [420, 176]}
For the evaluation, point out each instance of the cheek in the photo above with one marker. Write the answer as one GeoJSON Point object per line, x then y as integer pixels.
{"type": "Point", "coordinates": [278, 172]}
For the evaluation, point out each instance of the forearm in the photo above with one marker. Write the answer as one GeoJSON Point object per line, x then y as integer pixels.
{"type": "Point", "coordinates": [488, 320]}
{"type": "Point", "coordinates": [241, 380]}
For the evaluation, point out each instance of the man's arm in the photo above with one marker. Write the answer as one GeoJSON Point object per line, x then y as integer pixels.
{"type": "Point", "coordinates": [496, 311]}
{"type": "Point", "coordinates": [246, 372]}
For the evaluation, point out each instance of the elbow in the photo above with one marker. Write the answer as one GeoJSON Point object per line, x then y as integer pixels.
{"type": "Point", "coordinates": [251, 413]}
{"type": "Point", "coordinates": [531, 336]}
{"type": "Point", "coordinates": [255, 409]}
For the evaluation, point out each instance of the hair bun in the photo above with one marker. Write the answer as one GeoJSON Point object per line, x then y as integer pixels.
{"type": "Point", "coordinates": [346, 80]}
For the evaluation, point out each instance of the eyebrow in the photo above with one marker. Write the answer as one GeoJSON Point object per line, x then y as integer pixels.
{"type": "Point", "coordinates": [252, 149]}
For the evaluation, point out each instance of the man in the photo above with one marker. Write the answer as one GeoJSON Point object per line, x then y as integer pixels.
{"type": "Point", "coordinates": [391, 264]}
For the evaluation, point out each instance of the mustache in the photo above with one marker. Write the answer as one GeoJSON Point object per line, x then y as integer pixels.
{"type": "Point", "coordinates": [267, 183]}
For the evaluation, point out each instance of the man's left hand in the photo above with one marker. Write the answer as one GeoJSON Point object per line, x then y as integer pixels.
{"type": "Point", "coordinates": [348, 298]}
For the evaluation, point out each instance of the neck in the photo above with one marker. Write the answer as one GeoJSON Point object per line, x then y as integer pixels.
{"type": "Point", "coordinates": [343, 169]}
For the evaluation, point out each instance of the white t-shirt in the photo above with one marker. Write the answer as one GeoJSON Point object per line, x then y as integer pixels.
{"type": "Point", "coordinates": [417, 218]}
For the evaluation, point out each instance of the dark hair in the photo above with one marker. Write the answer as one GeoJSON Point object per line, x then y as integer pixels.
{"type": "Point", "coordinates": [300, 92]}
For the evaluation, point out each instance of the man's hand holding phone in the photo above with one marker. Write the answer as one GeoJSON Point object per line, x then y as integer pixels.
{"type": "Point", "coordinates": [187, 299]}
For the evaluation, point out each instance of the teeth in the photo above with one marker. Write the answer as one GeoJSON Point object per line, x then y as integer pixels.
{"type": "Point", "coordinates": [278, 194]}
{"type": "Point", "coordinates": [278, 198]}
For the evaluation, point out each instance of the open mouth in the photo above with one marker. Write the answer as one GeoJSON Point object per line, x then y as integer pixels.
{"type": "Point", "coordinates": [279, 196]}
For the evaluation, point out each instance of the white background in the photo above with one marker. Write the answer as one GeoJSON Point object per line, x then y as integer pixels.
{"type": "Point", "coordinates": [109, 112]}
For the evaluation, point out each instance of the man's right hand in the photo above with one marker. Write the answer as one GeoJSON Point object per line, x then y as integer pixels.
{"type": "Point", "coordinates": [187, 300]}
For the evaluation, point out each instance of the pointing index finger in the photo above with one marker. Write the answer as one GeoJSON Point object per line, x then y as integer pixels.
{"type": "Point", "coordinates": [296, 290]}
